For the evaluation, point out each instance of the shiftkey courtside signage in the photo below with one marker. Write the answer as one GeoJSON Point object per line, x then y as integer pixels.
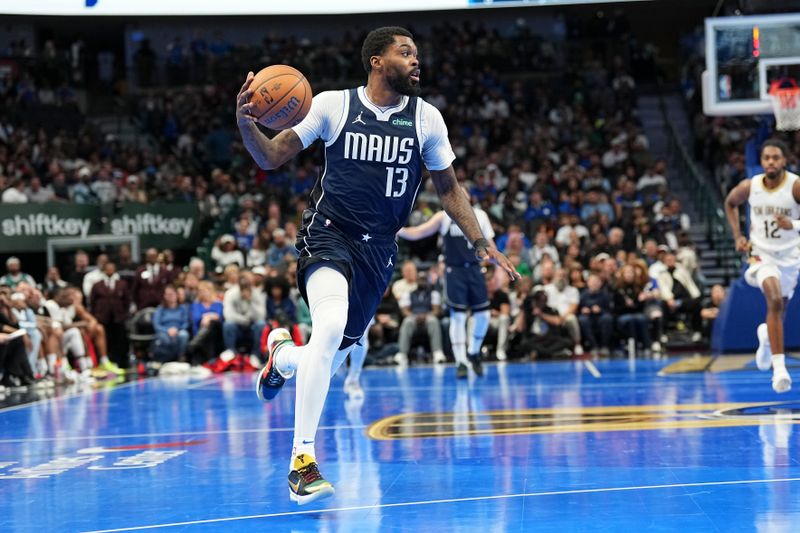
{"type": "Point", "coordinates": [131, 457]}
{"type": "Point", "coordinates": [27, 227]}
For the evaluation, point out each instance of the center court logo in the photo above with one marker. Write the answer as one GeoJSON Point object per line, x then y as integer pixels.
{"type": "Point", "coordinates": [402, 122]}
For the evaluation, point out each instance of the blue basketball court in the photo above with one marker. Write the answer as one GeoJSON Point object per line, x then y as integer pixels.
{"type": "Point", "coordinates": [570, 446]}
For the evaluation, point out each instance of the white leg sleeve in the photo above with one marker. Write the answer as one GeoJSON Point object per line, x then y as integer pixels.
{"type": "Point", "coordinates": [458, 335]}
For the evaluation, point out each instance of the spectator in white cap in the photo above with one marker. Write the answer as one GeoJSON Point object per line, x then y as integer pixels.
{"type": "Point", "coordinates": [225, 253]}
{"type": "Point", "coordinates": [14, 275]}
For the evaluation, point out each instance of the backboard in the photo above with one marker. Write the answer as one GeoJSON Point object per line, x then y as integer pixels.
{"type": "Point", "coordinates": [743, 56]}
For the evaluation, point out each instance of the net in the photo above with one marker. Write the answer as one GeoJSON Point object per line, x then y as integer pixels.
{"type": "Point", "coordinates": [784, 94]}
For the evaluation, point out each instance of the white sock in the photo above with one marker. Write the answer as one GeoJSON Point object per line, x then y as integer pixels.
{"type": "Point", "coordinates": [51, 362]}
{"type": "Point", "coordinates": [327, 291]}
{"type": "Point", "coordinates": [458, 336]}
{"type": "Point", "coordinates": [85, 363]}
{"type": "Point", "coordinates": [778, 361]}
{"type": "Point", "coordinates": [104, 360]}
{"type": "Point", "coordinates": [481, 319]}
{"type": "Point", "coordinates": [357, 357]}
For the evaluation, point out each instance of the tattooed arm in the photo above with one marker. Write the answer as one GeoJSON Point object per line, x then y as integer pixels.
{"type": "Point", "coordinates": [455, 202]}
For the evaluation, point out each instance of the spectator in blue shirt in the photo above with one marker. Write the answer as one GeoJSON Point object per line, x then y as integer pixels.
{"type": "Point", "coordinates": [595, 316]}
{"type": "Point", "coordinates": [539, 211]}
{"type": "Point", "coordinates": [171, 324]}
{"type": "Point", "coordinates": [279, 249]}
{"type": "Point", "coordinates": [206, 317]}
{"type": "Point", "coordinates": [595, 205]}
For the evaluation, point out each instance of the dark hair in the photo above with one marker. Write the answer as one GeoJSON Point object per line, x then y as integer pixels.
{"type": "Point", "coordinates": [376, 42]}
{"type": "Point", "coordinates": [776, 143]}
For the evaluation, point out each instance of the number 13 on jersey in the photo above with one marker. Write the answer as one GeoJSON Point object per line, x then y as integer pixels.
{"type": "Point", "coordinates": [396, 182]}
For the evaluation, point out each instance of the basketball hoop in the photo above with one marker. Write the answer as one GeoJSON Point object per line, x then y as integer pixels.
{"type": "Point", "coordinates": [784, 94]}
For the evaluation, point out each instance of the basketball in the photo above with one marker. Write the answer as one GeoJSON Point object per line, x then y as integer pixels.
{"type": "Point", "coordinates": [282, 97]}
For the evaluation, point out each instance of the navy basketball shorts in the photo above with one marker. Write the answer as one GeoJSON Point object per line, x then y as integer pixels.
{"type": "Point", "coordinates": [465, 288]}
{"type": "Point", "coordinates": [367, 265]}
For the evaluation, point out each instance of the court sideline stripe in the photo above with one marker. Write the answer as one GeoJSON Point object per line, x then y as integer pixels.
{"type": "Point", "coordinates": [454, 500]}
{"type": "Point", "coordinates": [169, 434]}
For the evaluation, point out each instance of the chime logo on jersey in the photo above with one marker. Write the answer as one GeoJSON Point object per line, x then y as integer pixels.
{"type": "Point", "coordinates": [378, 148]}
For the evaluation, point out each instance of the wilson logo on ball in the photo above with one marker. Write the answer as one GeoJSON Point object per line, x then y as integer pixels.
{"type": "Point", "coordinates": [284, 112]}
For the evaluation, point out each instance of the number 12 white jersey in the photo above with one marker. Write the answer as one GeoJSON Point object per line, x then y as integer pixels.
{"type": "Point", "coordinates": [765, 203]}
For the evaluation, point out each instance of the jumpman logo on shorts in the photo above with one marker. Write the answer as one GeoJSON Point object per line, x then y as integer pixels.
{"type": "Point", "coordinates": [359, 120]}
{"type": "Point", "coordinates": [389, 263]}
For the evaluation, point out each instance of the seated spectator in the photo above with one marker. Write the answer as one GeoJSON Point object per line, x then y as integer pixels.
{"type": "Point", "coordinates": [52, 280]}
{"type": "Point", "coordinates": [537, 331]}
{"type": "Point", "coordinates": [595, 316]}
{"type": "Point", "coordinates": [110, 302]}
{"type": "Point", "coordinates": [37, 194]}
{"type": "Point", "coordinates": [421, 309]}
{"type": "Point", "coordinates": [17, 374]}
{"type": "Point", "coordinates": [72, 305]}
{"type": "Point", "coordinates": [167, 261]}
{"type": "Point", "coordinates": [280, 249]}
{"type": "Point", "coordinates": [571, 231]}
{"type": "Point", "coordinates": [171, 324]}
{"type": "Point", "coordinates": [26, 321]}
{"type": "Point", "coordinates": [680, 294]}
{"type": "Point", "coordinates": [281, 310]}
{"type": "Point", "coordinates": [257, 254]}
{"type": "Point", "coordinates": [710, 310]}
{"type": "Point", "coordinates": [565, 299]}
{"type": "Point", "coordinates": [14, 275]}
{"type": "Point", "coordinates": [197, 268]}
{"type": "Point", "coordinates": [244, 237]}
{"type": "Point", "coordinates": [539, 212]}
{"type": "Point", "coordinates": [543, 247]}
{"type": "Point", "coordinates": [15, 193]}
{"type": "Point", "coordinates": [629, 308]}
{"type": "Point", "coordinates": [206, 316]}
{"type": "Point", "coordinates": [244, 310]}
{"type": "Point", "coordinates": [384, 330]}
{"type": "Point", "coordinates": [406, 284]}
{"type": "Point", "coordinates": [225, 253]}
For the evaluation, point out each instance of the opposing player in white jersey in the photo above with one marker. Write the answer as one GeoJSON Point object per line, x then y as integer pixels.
{"type": "Point", "coordinates": [464, 285]}
{"type": "Point", "coordinates": [774, 248]}
{"type": "Point", "coordinates": [377, 138]}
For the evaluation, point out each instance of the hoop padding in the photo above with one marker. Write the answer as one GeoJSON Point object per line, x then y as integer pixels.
{"type": "Point", "coordinates": [785, 104]}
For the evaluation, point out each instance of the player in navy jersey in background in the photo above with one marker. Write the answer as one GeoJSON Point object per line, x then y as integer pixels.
{"type": "Point", "coordinates": [464, 285]}
{"type": "Point", "coordinates": [377, 139]}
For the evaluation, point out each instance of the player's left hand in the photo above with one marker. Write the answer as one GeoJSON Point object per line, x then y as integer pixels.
{"type": "Point", "coordinates": [493, 255]}
{"type": "Point", "coordinates": [783, 221]}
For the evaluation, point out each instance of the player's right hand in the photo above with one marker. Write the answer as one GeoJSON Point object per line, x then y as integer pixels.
{"type": "Point", "coordinates": [742, 244]}
{"type": "Point", "coordinates": [243, 106]}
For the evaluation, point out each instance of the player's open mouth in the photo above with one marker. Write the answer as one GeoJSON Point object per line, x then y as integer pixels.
{"type": "Point", "coordinates": [414, 76]}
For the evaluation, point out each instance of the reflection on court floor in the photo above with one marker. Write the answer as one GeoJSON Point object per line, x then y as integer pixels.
{"type": "Point", "coordinates": [545, 447]}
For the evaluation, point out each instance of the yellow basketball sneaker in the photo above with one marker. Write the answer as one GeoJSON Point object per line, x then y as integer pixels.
{"type": "Point", "coordinates": [306, 484]}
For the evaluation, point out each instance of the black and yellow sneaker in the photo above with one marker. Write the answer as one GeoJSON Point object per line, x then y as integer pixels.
{"type": "Point", "coordinates": [306, 484]}
{"type": "Point", "coordinates": [270, 381]}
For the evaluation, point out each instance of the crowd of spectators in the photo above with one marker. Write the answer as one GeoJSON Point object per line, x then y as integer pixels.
{"type": "Point", "coordinates": [556, 157]}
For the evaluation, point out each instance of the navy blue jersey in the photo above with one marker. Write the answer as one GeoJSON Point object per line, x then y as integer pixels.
{"type": "Point", "coordinates": [458, 251]}
{"type": "Point", "coordinates": [373, 170]}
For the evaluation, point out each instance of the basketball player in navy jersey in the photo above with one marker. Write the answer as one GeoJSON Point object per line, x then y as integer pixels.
{"type": "Point", "coordinates": [464, 285]}
{"type": "Point", "coordinates": [377, 139]}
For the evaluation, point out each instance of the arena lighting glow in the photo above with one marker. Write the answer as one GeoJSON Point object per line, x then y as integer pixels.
{"type": "Point", "coordinates": [268, 7]}
{"type": "Point", "coordinates": [756, 42]}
